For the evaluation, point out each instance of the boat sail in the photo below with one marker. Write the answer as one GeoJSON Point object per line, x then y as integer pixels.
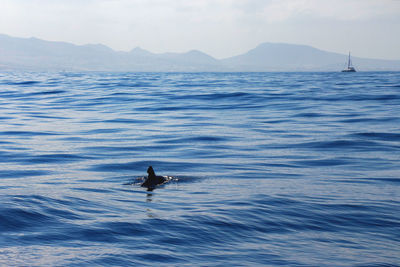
{"type": "Point", "coordinates": [349, 67]}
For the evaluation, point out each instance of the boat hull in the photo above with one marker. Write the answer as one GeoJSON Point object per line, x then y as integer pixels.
{"type": "Point", "coordinates": [349, 70]}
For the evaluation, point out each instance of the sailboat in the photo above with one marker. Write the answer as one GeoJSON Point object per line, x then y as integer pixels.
{"type": "Point", "coordinates": [349, 67]}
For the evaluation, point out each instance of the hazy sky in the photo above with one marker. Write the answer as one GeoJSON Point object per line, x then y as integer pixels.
{"type": "Point", "coordinates": [221, 28]}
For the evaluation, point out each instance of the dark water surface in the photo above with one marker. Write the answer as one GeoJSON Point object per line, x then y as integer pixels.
{"type": "Point", "coordinates": [292, 169]}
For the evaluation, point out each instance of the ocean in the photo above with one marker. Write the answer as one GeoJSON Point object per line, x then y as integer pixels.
{"type": "Point", "coordinates": [268, 169]}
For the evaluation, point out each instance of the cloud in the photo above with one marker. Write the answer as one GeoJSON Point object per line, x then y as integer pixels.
{"type": "Point", "coordinates": [346, 10]}
{"type": "Point", "coordinates": [195, 11]}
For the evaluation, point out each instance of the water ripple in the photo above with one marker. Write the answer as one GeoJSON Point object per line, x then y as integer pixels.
{"type": "Point", "coordinates": [267, 169]}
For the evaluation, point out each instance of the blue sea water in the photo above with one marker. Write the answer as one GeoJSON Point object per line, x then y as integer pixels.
{"type": "Point", "coordinates": [270, 169]}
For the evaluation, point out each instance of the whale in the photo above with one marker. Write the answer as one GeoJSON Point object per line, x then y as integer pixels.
{"type": "Point", "coordinates": [152, 179]}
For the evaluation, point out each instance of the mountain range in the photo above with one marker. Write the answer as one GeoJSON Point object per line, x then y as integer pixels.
{"type": "Point", "coordinates": [36, 54]}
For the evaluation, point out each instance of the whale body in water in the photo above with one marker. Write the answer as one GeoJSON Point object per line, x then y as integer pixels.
{"type": "Point", "coordinates": [152, 179]}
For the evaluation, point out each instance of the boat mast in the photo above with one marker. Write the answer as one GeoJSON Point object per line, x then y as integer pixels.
{"type": "Point", "coordinates": [349, 61]}
{"type": "Point", "coordinates": [350, 67]}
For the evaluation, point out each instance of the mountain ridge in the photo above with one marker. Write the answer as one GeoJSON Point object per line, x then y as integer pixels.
{"type": "Point", "coordinates": [37, 54]}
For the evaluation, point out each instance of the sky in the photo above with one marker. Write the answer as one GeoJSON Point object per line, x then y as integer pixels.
{"type": "Point", "coordinates": [220, 28]}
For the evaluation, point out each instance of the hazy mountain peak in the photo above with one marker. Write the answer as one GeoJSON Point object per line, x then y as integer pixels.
{"type": "Point", "coordinates": [99, 47]}
{"type": "Point", "coordinates": [284, 47]}
{"type": "Point", "coordinates": [140, 51]}
{"type": "Point", "coordinates": [195, 52]}
{"type": "Point", "coordinates": [194, 56]}
{"type": "Point", "coordinates": [199, 54]}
